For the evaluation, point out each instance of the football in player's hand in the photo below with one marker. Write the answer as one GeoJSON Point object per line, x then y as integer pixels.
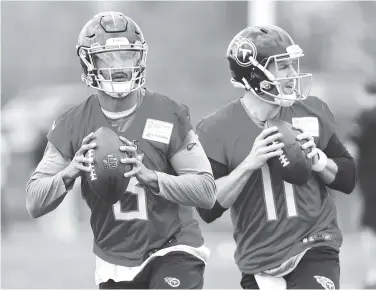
{"type": "Point", "coordinates": [106, 177]}
{"type": "Point", "coordinates": [293, 164]}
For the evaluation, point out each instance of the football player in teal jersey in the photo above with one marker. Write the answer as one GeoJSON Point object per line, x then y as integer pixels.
{"type": "Point", "coordinates": [149, 238]}
{"type": "Point", "coordinates": [286, 235]}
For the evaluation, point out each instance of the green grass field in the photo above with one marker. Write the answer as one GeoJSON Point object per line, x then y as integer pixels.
{"type": "Point", "coordinates": [35, 260]}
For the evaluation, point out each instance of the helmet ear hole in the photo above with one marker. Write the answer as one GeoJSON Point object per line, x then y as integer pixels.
{"type": "Point", "coordinates": [90, 80]}
{"type": "Point", "coordinates": [81, 52]}
{"type": "Point", "coordinates": [253, 75]}
{"type": "Point", "coordinates": [266, 86]}
{"type": "Point", "coordinates": [84, 67]}
{"type": "Point", "coordinates": [84, 60]}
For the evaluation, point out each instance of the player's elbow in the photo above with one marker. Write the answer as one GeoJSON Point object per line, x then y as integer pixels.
{"type": "Point", "coordinates": [31, 206]}
{"type": "Point", "coordinates": [210, 215]}
{"type": "Point", "coordinates": [346, 177]}
{"type": "Point", "coordinates": [206, 215]}
{"type": "Point", "coordinates": [350, 185]}
{"type": "Point", "coordinates": [209, 200]}
{"type": "Point", "coordinates": [348, 190]}
{"type": "Point", "coordinates": [353, 180]}
{"type": "Point", "coordinates": [33, 212]}
{"type": "Point", "coordinates": [208, 197]}
{"type": "Point", "coordinates": [32, 209]}
{"type": "Point", "coordinates": [345, 187]}
{"type": "Point", "coordinates": [208, 220]}
{"type": "Point", "coordinates": [353, 177]}
{"type": "Point", "coordinates": [207, 203]}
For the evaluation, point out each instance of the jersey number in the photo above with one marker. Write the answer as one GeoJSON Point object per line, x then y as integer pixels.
{"type": "Point", "coordinates": [269, 196]}
{"type": "Point", "coordinates": [141, 212]}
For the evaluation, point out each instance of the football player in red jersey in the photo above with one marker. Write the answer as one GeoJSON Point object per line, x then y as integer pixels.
{"type": "Point", "coordinates": [149, 238]}
{"type": "Point", "coordinates": [285, 234]}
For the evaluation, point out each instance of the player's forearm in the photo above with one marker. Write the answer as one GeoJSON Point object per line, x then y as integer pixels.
{"type": "Point", "coordinates": [328, 174]}
{"type": "Point", "coordinates": [68, 181]}
{"type": "Point", "coordinates": [196, 190]}
{"type": "Point", "coordinates": [229, 187]}
{"type": "Point", "coordinates": [336, 167]}
{"type": "Point", "coordinates": [44, 194]}
{"type": "Point", "coordinates": [345, 177]}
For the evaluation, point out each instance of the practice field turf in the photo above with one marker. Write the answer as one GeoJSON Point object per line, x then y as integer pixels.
{"type": "Point", "coordinates": [34, 260]}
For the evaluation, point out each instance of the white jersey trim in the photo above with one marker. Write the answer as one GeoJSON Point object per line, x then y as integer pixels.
{"type": "Point", "coordinates": [105, 271]}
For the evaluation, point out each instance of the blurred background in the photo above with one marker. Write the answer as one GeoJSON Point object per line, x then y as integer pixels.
{"type": "Point", "coordinates": [40, 78]}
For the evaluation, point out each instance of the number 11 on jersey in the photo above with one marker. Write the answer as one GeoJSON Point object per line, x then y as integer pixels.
{"type": "Point", "coordinates": [269, 196]}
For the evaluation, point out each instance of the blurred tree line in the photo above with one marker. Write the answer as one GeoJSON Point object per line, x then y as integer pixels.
{"type": "Point", "coordinates": [187, 42]}
{"type": "Point", "coordinates": [336, 36]}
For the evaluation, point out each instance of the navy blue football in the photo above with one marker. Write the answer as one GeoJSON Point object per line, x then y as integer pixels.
{"type": "Point", "coordinates": [106, 177]}
{"type": "Point", "coordinates": [293, 165]}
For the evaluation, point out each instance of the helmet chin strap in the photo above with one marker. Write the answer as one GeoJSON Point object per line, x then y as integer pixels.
{"type": "Point", "coordinates": [117, 95]}
{"type": "Point", "coordinates": [114, 90]}
{"type": "Point", "coordinates": [280, 98]}
{"type": "Point", "coordinates": [287, 101]}
{"type": "Point", "coordinates": [277, 100]}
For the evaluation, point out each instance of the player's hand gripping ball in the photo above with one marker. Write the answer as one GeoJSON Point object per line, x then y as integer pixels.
{"type": "Point", "coordinates": [293, 165]}
{"type": "Point", "coordinates": [106, 177]}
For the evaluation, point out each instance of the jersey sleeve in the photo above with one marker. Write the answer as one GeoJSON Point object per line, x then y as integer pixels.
{"type": "Point", "coordinates": [182, 125]}
{"type": "Point", "coordinates": [61, 135]}
{"type": "Point", "coordinates": [211, 142]}
{"type": "Point", "coordinates": [192, 158]}
{"type": "Point", "coordinates": [219, 169]}
{"type": "Point", "coordinates": [327, 124]}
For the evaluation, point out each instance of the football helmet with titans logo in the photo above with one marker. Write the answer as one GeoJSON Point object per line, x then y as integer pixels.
{"type": "Point", "coordinates": [265, 60]}
{"type": "Point", "coordinates": [112, 52]}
